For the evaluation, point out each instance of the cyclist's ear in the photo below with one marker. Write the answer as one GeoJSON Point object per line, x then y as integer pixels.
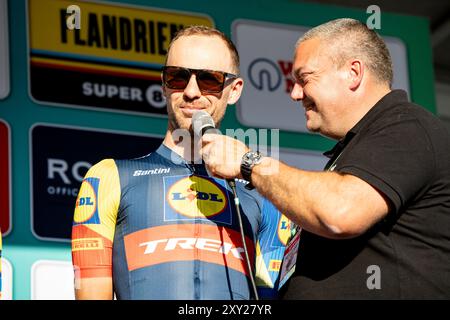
{"type": "Point", "coordinates": [235, 90]}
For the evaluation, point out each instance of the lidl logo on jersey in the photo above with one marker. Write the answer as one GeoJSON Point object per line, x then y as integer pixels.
{"type": "Point", "coordinates": [284, 229]}
{"type": "Point", "coordinates": [86, 209]}
{"type": "Point", "coordinates": [195, 197]}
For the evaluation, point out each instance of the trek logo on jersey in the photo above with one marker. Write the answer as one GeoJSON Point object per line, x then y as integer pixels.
{"type": "Point", "coordinates": [187, 242]}
{"type": "Point", "coordinates": [284, 229]}
{"type": "Point", "coordinates": [195, 197]}
{"type": "Point", "coordinates": [86, 208]}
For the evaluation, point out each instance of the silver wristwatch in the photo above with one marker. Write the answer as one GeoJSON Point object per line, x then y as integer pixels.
{"type": "Point", "coordinates": [249, 160]}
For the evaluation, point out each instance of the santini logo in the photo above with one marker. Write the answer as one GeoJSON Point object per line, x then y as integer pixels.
{"type": "Point", "coordinates": [138, 173]}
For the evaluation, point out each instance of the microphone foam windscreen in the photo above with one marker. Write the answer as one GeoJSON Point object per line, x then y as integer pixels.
{"type": "Point", "coordinates": [201, 120]}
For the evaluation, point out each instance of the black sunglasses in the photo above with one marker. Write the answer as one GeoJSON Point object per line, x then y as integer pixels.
{"type": "Point", "coordinates": [208, 81]}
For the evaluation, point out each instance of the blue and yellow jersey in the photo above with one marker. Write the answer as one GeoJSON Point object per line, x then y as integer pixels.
{"type": "Point", "coordinates": [164, 229]}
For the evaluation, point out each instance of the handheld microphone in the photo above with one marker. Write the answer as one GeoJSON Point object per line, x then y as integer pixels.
{"type": "Point", "coordinates": [201, 123]}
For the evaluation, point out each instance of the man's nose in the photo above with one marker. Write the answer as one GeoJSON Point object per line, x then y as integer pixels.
{"type": "Point", "coordinates": [297, 92]}
{"type": "Point", "coordinates": [192, 90]}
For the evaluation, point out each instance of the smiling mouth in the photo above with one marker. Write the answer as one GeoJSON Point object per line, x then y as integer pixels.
{"type": "Point", "coordinates": [190, 110]}
{"type": "Point", "coordinates": [193, 107]}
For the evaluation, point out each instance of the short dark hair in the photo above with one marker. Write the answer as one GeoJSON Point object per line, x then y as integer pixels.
{"type": "Point", "coordinates": [351, 38]}
{"type": "Point", "coordinates": [208, 31]}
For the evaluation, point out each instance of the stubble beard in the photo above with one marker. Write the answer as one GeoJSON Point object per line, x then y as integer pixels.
{"type": "Point", "coordinates": [178, 122]}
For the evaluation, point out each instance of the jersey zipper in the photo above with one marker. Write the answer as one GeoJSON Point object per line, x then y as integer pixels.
{"type": "Point", "coordinates": [197, 265]}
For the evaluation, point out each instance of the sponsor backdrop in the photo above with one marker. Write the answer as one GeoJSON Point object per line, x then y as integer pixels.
{"type": "Point", "coordinates": [54, 190]}
{"type": "Point", "coordinates": [4, 50]}
{"type": "Point", "coordinates": [266, 101]}
{"type": "Point", "coordinates": [70, 97]}
{"type": "Point", "coordinates": [5, 174]}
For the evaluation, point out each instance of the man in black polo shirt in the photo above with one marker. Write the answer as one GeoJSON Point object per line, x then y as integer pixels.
{"type": "Point", "coordinates": [376, 224]}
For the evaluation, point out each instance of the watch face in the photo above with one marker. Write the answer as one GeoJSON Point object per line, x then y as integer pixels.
{"type": "Point", "coordinates": [250, 157]}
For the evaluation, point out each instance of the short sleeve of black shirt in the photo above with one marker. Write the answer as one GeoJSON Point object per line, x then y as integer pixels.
{"type": "Point", "coordinates": [392, 151]}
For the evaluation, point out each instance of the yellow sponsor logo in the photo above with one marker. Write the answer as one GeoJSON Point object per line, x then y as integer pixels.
{"type": "Point", "coordinates": [109, 31]}
{"type": "Point", "coordinates": [87, 244]}
{"type": "Point", "coordinates": [274, 265]}
{"type": "Point", "coordinates": [284, 229]}
{"type": "Point", "coordinates": [86, 205]}
{"type": "Point", "coordinates": [197, 197]}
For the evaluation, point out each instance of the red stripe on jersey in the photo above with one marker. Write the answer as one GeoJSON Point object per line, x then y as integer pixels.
{"type": "Point", "coordinates": [91, 253]}
{"type": "Point", "coordinates": [187, 242]}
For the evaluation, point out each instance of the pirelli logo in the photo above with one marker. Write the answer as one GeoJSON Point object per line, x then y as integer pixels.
{"type": "Point", "coordinates": [87, 244]}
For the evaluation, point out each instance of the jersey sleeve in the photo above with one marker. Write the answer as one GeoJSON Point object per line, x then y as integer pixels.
{"type": "Point", "coordinates": [398, 167]}
{"type": "Point", "coordinates": [94, 221]}
{"type": "Point", "coordinates": [272, 238]}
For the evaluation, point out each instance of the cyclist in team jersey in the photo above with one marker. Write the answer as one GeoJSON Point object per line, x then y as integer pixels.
{"type": "Point", "coordinates": [159, 226]}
